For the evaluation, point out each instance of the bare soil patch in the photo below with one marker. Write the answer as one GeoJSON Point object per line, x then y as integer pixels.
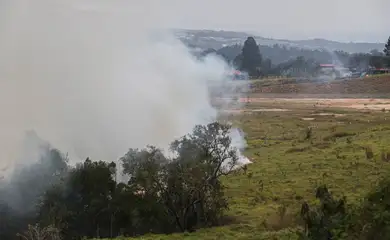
{"type": "Point", "coordinates": [357, 103]}
{"type": "Point", "coordinates": [239, 111]}
{"type": "Point", "coordinates": [308, 119]}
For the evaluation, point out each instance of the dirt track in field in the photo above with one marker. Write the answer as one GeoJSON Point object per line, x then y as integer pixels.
{"type": "Point", "coordinates": [288, 104]}
{"type": "Point", "coordinates": [354, 103]}
{"type": "Point", "coordinates": [365, 94]}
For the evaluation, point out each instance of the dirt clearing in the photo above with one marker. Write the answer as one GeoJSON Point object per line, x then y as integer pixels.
{"type": "Point", "coordinates": [358, 103]}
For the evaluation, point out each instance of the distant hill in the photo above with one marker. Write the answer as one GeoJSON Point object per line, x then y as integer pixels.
{"type": "Point", "coordinates": [205, 39]}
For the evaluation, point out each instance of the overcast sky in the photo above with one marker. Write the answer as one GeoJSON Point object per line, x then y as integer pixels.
{"type": "Point", "coordinates": [344, 20]}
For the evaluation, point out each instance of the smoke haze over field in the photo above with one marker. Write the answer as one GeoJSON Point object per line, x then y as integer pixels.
{"type": "Point", "coordinates": [93, 78]}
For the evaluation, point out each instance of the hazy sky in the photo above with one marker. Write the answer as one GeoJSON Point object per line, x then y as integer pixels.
{"type": "Point", "coordinates": [345, 20]}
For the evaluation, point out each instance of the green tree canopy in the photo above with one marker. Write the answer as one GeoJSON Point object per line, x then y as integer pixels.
{"type": "Point", "coordinates": [387, 48]}
{"type": "Point", "coordinates": [157, 194]}
{"type": "Point", "coordinates": [250, 60]}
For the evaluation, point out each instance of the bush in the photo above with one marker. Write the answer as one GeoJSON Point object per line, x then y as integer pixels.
{"type": "Point", "coordinates": [373, 218]}
{"type": "Point", "coordinates": [325, 221]}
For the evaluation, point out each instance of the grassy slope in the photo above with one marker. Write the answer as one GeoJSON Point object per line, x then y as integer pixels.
{"type": "Point", "coordinates": [379, 84]}
{"type": "Point", "coordinates": [265, 201]}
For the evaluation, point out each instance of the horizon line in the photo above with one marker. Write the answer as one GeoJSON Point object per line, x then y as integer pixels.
{"type": "Point", "coordinates": [281, 39]}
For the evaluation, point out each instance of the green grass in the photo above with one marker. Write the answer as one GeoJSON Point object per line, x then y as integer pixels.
{"type": "Point", "coordinates": [286, 169]}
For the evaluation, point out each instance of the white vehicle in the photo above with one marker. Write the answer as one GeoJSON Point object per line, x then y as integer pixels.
{"type": "Point", "coordinates": [343, 72]}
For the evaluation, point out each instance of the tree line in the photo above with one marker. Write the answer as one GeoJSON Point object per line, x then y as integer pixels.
{"type": "Point", "coordinates": [154, 193]}
{"type": "Point", "coordinates": [280, 60]}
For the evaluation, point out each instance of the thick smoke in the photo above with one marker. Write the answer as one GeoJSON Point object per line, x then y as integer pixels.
{"type": "Point", "coordinates": [94, 78]}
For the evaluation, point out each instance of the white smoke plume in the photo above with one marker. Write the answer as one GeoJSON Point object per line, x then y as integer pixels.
{"type": "Point", "coordinates": [95, 78]}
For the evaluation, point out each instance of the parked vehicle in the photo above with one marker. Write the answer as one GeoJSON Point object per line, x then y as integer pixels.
{"type": "Point", "coordinates": [238, 75]}
{"type": "Point", "coordinates": [332, 71]}
{"type": "Point", "coordinates": [356, 74]}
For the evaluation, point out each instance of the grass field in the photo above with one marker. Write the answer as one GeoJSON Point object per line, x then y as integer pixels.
{"type": "Point", "coordinates": [287, 168]}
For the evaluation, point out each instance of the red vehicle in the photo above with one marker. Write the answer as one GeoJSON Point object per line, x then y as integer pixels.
{"type": "Point", "coordinates": [238, 75]}
{"type": "Point", "coordinates": [326, 70]}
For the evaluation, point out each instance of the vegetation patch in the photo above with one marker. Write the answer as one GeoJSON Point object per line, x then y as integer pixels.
{"type": "Point", "coordinates": [336, 135]}
{"type": "Point", "coordinates": [307, 181]}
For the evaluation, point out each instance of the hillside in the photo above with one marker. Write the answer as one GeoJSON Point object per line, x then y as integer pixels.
{"type": "Point", "coordinates": [370, 85]}
{"type": "Point", "coordinates": [204, 39]}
